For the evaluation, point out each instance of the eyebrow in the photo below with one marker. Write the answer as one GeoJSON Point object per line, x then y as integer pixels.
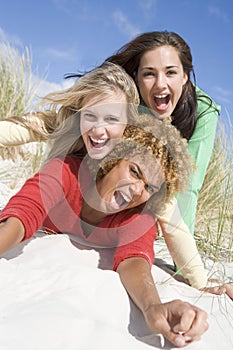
{"type": "Point", "coordinates": [143, 177]}
{"type": "Point", "coordinates": [89, 111]}
{"type": "Point", "coordinates": [85, 109]}
{"type": "Point", "coordinates": [167, 67]}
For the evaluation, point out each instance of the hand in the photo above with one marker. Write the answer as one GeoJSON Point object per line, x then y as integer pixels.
{"type": "Point", "coordinates": [217, 287]}
{"type": "Point", "coordinates": [179, 322]}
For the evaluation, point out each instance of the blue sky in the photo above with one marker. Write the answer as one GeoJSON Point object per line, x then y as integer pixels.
{"type": "Point", "coordinates": [69, 35]}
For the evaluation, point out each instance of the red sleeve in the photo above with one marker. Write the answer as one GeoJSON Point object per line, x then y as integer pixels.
{"type": "Point", "coordinates": [144, 228]}
{"type": "Point", "coordinates": [39, 194]}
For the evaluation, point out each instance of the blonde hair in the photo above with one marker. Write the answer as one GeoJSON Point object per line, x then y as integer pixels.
{"type": "Point", "coordinates": [58, 118]}
{"type": "Point", "coordinates": [160, 139]}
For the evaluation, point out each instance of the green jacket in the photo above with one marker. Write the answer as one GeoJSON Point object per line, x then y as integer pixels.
{"type": "Point", "coordinates": [200, 147]}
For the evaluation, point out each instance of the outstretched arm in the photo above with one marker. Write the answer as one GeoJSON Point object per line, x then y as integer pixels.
{"type": "Point", "coordinates": [182, 246]}
{"type": "Point", "coordinates": [178, 321]}
{"type": "Point", "coordinates": [13, 134]}
{"type": "Point", "coordinates": [11, 233]}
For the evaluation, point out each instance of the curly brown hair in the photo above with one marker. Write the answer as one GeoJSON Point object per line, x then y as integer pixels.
{"type": "Point", "coordinates": [160, 139]}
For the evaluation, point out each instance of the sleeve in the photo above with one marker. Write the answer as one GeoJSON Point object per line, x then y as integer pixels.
{"type": "Point", "coordinates": [177, 221]}
{"type": "Point", "coordinates": [182, 246]}
{"type": "Point", "coordinates": [143, 245]}
{"type": "Point", "coordinates": [14, 134]}
{"type": "Point", "coordinates": [200, 147]}
{"type": "Point", "coordinates": [38, 195]}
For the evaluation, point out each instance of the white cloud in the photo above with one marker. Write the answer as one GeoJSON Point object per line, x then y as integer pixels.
{"type": "Point", "coordinates": [45, 86]}
{"type": "Point", "coordinates": [41, 87]}
{"type": "Point", "coordinates": [215, 11]}
{"type": "Point", "coordinates": [59, 53]}
{"type": "Point", "coordinates": [11, 39]}
{"type": "Point", "coordinates": [3, 36]}
{"type": "Point", "coordinates": [146, 4]}
{"type": "Point", "coordinates": [148, 7]}
{"type": "Point", "coordinates": [80, 9]}
{"type": "Point", "coordinates": [124, 24]}
{"type": "Point", "coordinates": [223, 95]}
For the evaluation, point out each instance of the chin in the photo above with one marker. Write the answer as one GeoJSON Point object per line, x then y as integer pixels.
{"type": "Point", "coordinates": [97, 156]}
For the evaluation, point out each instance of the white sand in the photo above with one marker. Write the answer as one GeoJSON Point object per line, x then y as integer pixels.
{"type": "Point", "coordinates": [55, 296]}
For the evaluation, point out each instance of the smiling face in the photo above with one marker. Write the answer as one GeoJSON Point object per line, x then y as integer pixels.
{"type": "Point", "coordinates": [129, 184]}
{"type": "Point", "coordinates": [160, 79]}
{"type": "Point", "coordinates": [102, 123]}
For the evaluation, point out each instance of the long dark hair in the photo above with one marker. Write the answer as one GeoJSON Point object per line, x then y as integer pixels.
{"type": "Point", "coordinates": [184, 116]}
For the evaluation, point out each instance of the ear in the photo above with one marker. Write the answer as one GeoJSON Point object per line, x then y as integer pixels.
{"type": "Point", "coordinates": [185, 79]}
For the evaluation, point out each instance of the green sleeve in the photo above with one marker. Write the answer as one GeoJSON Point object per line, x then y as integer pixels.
{"type": "Point", "coordinates": [200, 147]}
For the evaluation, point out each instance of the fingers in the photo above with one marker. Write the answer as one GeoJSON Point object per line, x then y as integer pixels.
{"type": "Point", "coordinates": [187, 316]}
{"type": "Point", "coordinates": [192, 323]}
{"type": "Point", "coordinates": [229, 290]}
{"type": "Point", "coordinates": [198, 326]}
{"type": "Point", "coordinates": [187, 323]}
{"type": "Point", "coordinates": [218, 288]}
{"type": "Point", "coordinates": [179, 322]}
{"type": "Point", "coordinates": [180, 339]}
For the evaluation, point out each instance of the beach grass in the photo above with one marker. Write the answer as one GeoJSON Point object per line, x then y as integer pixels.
{"type": "Point", "coordinates": [18, 85]}
{"type": "Point", "coordinates": [214, 220]}
{"type": "Point", "coordinates": [18, 89]}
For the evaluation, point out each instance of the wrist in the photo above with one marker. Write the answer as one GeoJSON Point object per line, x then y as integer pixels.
{"type": "Point", "coordinates": [150, 306]}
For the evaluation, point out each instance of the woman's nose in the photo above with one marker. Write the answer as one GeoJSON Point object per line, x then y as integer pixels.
{"type": "Point", "coordinates": [98, 130]}
{"type": "Point", "coordinates": [160, 81]}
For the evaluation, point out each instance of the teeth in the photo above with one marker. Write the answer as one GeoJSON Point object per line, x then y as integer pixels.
{"type": "Point", "coordinates": [97, 141]}
{"type": "Point", "coordinates": [161, 96]}
{"type": "Point", "coordinates": [125, 196]}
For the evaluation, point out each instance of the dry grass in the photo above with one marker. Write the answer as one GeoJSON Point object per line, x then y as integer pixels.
{"type": "Point", "coordinates": [17, 86]}
{"type": "Point", "coordinates": [214, 221]}
{"type": "Point", "coordinates": [17, 89]}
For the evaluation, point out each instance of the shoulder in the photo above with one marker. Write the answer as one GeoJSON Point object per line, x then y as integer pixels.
{"type": "Point", "coordinates": [66, 169]}
{"type": "Point", "coordinates": [205, 103]}
{"type": "Point", "coordinates": [69, 163]}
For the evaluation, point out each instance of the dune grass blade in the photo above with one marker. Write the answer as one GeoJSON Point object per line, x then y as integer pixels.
{"type": "Point", "coordinates": [214, 221]}
{"type": "Point", "coordinates": [18, 88]}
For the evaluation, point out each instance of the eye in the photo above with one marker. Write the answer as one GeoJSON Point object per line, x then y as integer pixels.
{"type": "Point", "coordinates": [88, 116]}
{"type": "Point", "coordinates": [172, 72]}
{"type": "Point", "coordinates": [133, 170]}
{"type": "Point", "coordinates": [112, 119]}
{"type": "Point", "coordinates": [148, 73]}
{"type": "Point", "coordinates": [150, 189]}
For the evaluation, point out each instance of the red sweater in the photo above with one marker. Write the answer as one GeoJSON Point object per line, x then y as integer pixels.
{"type": "Point", "coordinates": [53, 199]}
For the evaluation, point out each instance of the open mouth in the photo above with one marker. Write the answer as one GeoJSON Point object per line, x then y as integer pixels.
{"type": "Point", "coordinates": [96, 143]}
{"type": "Point", "coordinates": [120, 200]}
{"type": "Point", "coordinates": [161, 101]}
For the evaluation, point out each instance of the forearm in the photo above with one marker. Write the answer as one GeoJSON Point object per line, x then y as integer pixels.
{"type": "Point", "coordinates": [184, 253]}
{"type": "Point", "coordinates": [15, 134]}
{"type": "Point", "coordinates": [11, 233]}
{"type": "Point", "coordinates": [136, 277]}
{"type": "Point", "coordinates": [179, 322]}
{"type": "Point", "coordinates": [182, 246]}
